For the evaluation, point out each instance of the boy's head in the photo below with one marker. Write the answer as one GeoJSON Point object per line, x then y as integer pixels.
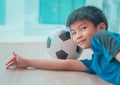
{"type": "Point", "coordinates": [91, 13]}
{"type": "Point", "coordinates": [84, 23]}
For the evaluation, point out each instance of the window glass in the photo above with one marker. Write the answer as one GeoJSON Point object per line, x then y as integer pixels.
{"type": "Point", "coordinates": [57, 11]}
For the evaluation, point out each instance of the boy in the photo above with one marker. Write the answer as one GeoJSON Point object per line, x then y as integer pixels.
{"type": "Point", "coordinates": [88, 27]}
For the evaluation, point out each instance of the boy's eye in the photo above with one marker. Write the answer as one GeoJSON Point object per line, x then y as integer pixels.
{"type": "Point", "coordinates": [73, 33]}
{"type": "Point", "coordinates": [83, 28]}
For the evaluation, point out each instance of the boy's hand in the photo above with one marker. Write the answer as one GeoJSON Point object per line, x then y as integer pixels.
{"type": "Point", "coordinates": [16, 61]}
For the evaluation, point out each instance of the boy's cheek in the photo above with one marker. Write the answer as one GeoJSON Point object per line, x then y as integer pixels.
{"type": "Point", "coordinates": [74, 41]}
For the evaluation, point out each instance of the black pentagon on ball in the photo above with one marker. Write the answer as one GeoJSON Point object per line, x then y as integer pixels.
{"type": "Point", "coordinates": [61, 54]}
{"type": "Point", "coordinates": [64, 35]}
{"type": "Point", "coordinates": [79, 50]}
{"type": "Point", "coordinates": [48, 42]}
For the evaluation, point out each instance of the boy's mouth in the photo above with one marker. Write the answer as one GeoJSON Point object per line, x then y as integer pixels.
{"type": "Point", "coordinates": [81, 42]}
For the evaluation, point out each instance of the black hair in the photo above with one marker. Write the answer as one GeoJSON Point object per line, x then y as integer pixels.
{"type": "Point", "coordinates": [92, 13]}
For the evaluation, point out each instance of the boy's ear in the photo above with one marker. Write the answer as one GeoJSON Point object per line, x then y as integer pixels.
{"type": "Point", "coordinates": [102, 26]}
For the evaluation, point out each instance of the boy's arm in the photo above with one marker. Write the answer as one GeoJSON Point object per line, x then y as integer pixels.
{"type": "Point", "coordinates": [57, 64]}
{"type": "Point", "coordinates": [51, 64]}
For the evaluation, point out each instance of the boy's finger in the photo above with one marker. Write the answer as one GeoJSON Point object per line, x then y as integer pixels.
{"type": "Point", "coordinates": [10, 60]}
{"type": "Point", "coordinates": [14, 54]}
{"type": "Point", "coordinates": [10, 64]}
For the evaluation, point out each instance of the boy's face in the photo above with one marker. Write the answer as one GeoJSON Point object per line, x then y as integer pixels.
{"type": "Point", "coordinates": [82, 32]}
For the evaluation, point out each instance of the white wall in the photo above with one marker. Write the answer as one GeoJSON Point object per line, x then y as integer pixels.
{"type": "Point", "coordinates": [22, 17]}
{"type": "Point", "coordinates": [14, 18]}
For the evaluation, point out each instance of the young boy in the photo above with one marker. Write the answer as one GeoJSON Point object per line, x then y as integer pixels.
{"type": "Point", "coordinates": [88, 27]}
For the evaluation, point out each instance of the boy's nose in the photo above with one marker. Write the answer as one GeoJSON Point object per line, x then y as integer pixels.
{"type": "Point", "coordinates": [78, 35]}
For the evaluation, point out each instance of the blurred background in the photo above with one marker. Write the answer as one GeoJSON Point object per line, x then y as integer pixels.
{"type": "Point", "coordinates": [33, 20]}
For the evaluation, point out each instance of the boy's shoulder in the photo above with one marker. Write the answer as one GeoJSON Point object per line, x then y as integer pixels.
{"type": "Point", "coordinates": [101, 32]}
{"type": "Point", "coordinates": [104, 34]}
{"type": "Point", "coordinates": [105, 38]}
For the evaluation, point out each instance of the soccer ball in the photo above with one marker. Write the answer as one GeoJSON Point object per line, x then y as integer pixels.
{"type": "Point", "coordinates": [61, 46]}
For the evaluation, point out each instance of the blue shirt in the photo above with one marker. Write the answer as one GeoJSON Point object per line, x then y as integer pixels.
{"type": "Point", "coordinates": [105, 46]}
